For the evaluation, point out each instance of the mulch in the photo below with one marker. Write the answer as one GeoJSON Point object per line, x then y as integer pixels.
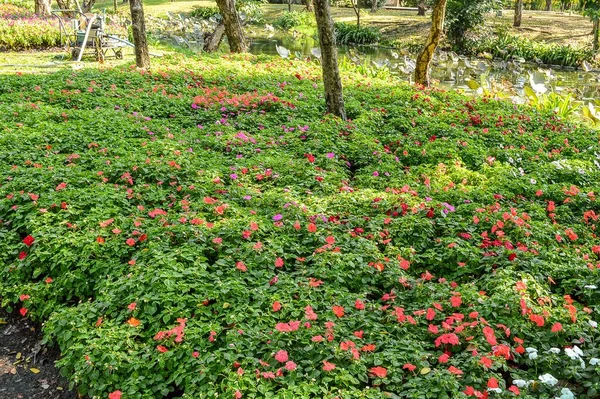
{"type": "Point", "coordinates": [27, 368]}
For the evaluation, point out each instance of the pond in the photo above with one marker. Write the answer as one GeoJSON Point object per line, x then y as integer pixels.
{"type": "Point", "coordinates": [449, 70]}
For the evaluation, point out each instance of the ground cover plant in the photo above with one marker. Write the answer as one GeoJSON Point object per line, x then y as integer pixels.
{"type": "Point", "coordinates": [202, 230]}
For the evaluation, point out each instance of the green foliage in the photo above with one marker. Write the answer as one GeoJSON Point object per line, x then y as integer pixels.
{"type": "Point", "coordinates": [464, 16]}
{"type": "Point", "coordinates": [346, 33]}
{"type": "Point", "coordinates": [205, 12]}
{"type": "Point", "coordinates": [294, 19]}
{"type": "Point", "coordinates": [507, 46]}
{"type": "Point", "coordinates": [191, 230]}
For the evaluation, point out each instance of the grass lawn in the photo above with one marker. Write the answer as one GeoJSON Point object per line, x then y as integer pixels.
{"type": "Point", "coordinates": [204, 230]}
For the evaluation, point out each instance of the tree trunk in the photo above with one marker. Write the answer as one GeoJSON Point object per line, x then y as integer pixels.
{"type": "Point", "coordinates": [289, 5]}
{"type": "Point", "coordinates": [233, 26]}
{"type": "Point", "coordinates": [142, 56]}
{"type": "Point", "coordinates": [422, 8]}
{"type": "Point", "coordinates": [42, 8]}
{"type": "Point", "coordinates": [548, 5]}
{"type": "Point", "coordinates": [332, 81]}
{"type": "Point", "coordinates": [374, 6]}
{"type": "Point", "coordinates": [433, 40]}
{"type": "Point", "coordinates": [212, 41]}
{"type": "Point", "coordinates": [356, 11]}
{"type": "Point", "coordinates": [115, 5]}
{"type": "Point", "coordinates": [518, 13]}
{"type": "Point", "coordinates": [86, 6]}
{"type": "Point", "coordinates": [309, 5]}
{"type": "Point", "coordinates": [596, 32]}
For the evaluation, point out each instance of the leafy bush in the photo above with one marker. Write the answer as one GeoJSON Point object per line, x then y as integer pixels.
{"type": "Point", "coordinates": [464, 16]}
{"type": "Point", "coordinates": [205, 12]}
{"type": "Point", "coordinates": [346, 33]}
{"type": "Point", "coordinates": [294, 19]}
{"type": "Point", "coordinates": [181, 238]}
{"type": "Point", "coordinates": [507, 46]}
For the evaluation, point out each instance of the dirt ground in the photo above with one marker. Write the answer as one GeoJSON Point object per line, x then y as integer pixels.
{"type": "Point", "coordinates": [26, 367]}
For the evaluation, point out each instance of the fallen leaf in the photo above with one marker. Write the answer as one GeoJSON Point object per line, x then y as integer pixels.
{"type": "Point", "coordinates": [34, 370]}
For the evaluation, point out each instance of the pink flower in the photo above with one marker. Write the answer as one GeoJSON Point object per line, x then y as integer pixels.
{"type": "Point", "coordinates": [328, 366]}
{"type": "Point", "coordinates": [281, 356]}
{"type": "Point", "coordinates": [290, 366]}
{"type": "Point", "coordinates": [115, 395]}
{"type": "Point", "coordinates": [276, 306]}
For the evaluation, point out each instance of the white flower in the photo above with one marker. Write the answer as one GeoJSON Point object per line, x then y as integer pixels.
{"type": "Point", "coordinates": [572, 353]}
{"type": "Point", "coordinates": [548, 379]}
{"type": "Point", "coordinates": [529, 350]}
{"type": "Point", "coordinates": [592, 323]}
{"type": "Point", "coordinates": [556, 351]}
{"type": "Point", "coordinates": [566, 393]}
{"type": "Point", "coordinates": [533, 355]}
{"type": "Point", "coordinates": [594, 361]}
{"type": "Point", "coordinates": [532, 181]}
{"type": "Point", "coordinates": [520, 383]}
{"type": "Point", "coordinates": [497, 390]}
{"type": "Point", "coordinates": [590, 287]}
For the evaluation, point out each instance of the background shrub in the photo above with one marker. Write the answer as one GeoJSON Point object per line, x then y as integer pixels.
{"type": "Point", "coordinates": [349, 33]}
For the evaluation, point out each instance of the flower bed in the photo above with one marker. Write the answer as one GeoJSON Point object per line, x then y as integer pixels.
{"type": "Point", "coordinates": [20, 29]}
{"type": "Point", "coordinates": [205, 230]}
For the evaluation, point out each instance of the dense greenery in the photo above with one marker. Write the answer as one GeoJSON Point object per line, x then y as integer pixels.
{"type": "Point", "coordinates": [464, 16]}
{"type": "Point", "coordinates": [346, 33]}
{"type": "Point", "coordinates": [506, 46]}
{"type": "Point", "coordinates": [294, 19]}
{"type": "Point", "coordinates": [204, 229]}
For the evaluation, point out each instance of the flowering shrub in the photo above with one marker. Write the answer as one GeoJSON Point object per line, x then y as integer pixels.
{"type": "Point", "coordinates": [178, 238]}
{"type": "Point", "coordinates": [20, 29]}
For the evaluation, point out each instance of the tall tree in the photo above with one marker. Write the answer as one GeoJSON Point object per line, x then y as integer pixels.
{"type": "Point", "coordinates": [42, 8]}
{"type": "Point", "coordinates": [433, 40]}
{"type": "Point", "coordinates": [142, 55]}
{"type": "Point", "coordinates": [332, 81]}
{"type": "Point", "coordinates": [233, 26]}
{"type": "Point", "coordinates": [518, 13]}
{"type": "Point", "coordinates": [548, 5]}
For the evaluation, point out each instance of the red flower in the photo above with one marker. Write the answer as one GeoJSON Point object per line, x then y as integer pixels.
{"type": "Point", "coordinates": [23, 311]}
{"type": "Point", "coordinates": [556, 327]}
{"type": "Point", "coordinates": [115, 395]}
{"type": "Point", "coordinates": [312, 228]}
{"type": "Point", "coordinates": [22, 255]}
{"type": "Point", "coordinates": [237, 395]}
{"type": "Point", "coordinates": [29, 240]}
{"type": "Point", "coordinates": [338, 310]}
{"type": "Point", "coordinates": [278, 262]}
{"type": "Point", "coordinates": [486, 362]}
{"type": "Point", "coordinates": [130, 242]}
{"type": "Point", "coordinates": [330, 240]}
{"type": "Point", "coordinates": [514, 390]}
{"type": "Point", "coordinates": [162, 349]}
{"type": "Point", "coordinates": [444, 358]}
{"type": "Point", "coordinates": [328, 366]}
{"type": "Point", "coordinates": [492, 383]}
{"type": "Point", "coordinates": [430, 314]}
{"type": "Point", "coordinates": [276, 306]}
{"type": "Point", "coordinates": [456, 301]}
{"type": "Point", "coordinates": [359, 305]}
{"type": "Point", "coordinates": [281, 356]}
{"type": "Point", "coordinates": [409, 367]}
{"type": "Point", "coordinates": [379, 372]}
{"type": "Point", "coordinates": [454, 370]}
